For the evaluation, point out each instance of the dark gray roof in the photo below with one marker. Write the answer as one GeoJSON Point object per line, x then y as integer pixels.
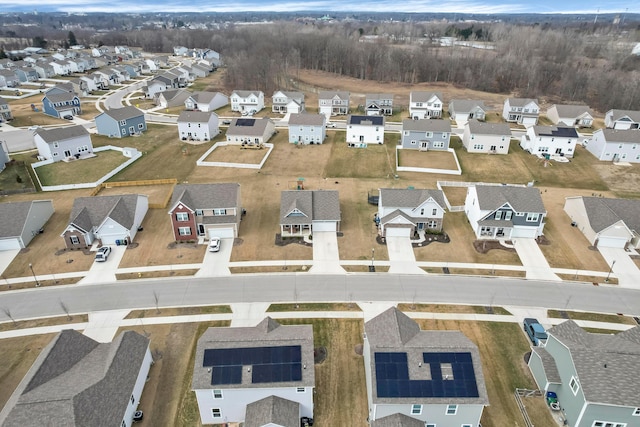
{"type": "Point", "coordinates": [275, 410]}
{"type": "Point", "coordinates": [60, 134]}
{"type": "Point", "coordinates": [549, 365]}
{"type": "Point", "coordinates": [606, 365]}
{"type": "Point", "coordinates": [567, 110]}
{"type": "Point", "coordinates": [521, 199]}
{"type": "Point", "coordinates": [410, 197]}
{"type": "Point", "coordinates": [396, 213]}
{"type": "Point", "coordinates": [556, 131]}
{"type": "Point", "coordinates": [378, 96]}
{"type": "Point", "coordinates": [195, 117]}
{"type": "Point", "coordinates": [426, 125]}
{"type": "Point", "coordinates": [394, 331]}
{"type": "Point", "coordinates": [397, 420]}
{"type": "Point", "coordinates": [248, 126]}
{"type": "Point", "coordinates": [465, 105]}
{"type": "Point", "coordinates": [632, 114]}
{"type": "Point", "coordinates": [306, 119]}
{"type": "Point", "coordinates": [14, 216]}
{"type": "Point", "coordinates": [247, 93]}
{"type": "Point", "coordinates": [619, 135]}
{"type": "Point", "coordinates": [288, 94]}
{"type": "Point", "coordinates": [365, 120]}
{"type": "Point", "coordinates": [603, 212]}
{"type": "Point", "coordinates": [267, 333]}
{"type": "Point", "coordinates": [484, 128]}
{"type": "Point", "coordinates": [422, 96]}
{"type": "Point", "coordinates": [521, 102]}
{"type": "Point", "coordinates": [206, 196]}
{"type": "Point", "coordinates": [76, 381]}
{"type": "Point", "coordinates": [89, 212]}
{"type": "Point", "coordinates": [123, 113]}
{"type": "Point", "coordinates": [316, 205]}
{"type": "Point", "coordinates": [61, 97]}
{"type": "Point", "coordinates": [330, 94]}
{"type": "Point", "coordinates": [204, 96]}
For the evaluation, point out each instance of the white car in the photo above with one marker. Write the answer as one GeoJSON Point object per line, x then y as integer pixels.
{"type": "Point", "coordinates": [214, 244]}
{"type": "Point", "coordinates": [103, 254]}
{"type": "Point", "coordinates": [331, 125]}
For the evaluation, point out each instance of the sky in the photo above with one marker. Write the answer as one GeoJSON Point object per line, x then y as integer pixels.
{"type": "Point", "coordinates": [422, 6]}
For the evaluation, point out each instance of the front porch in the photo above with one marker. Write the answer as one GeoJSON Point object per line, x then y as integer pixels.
{"type": "Point", "coordinates": [488, 232]}
{"type": "Point", "coordinates": [295, 230]}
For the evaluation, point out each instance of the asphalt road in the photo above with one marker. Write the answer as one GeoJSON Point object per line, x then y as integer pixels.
{"type": "Point", "coordinates": [306, 287]}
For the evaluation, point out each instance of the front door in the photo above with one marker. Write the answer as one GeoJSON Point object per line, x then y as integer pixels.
{"type": "Point", "coordinates": [558, 150]}
{"type": "Point", "coordinates": [493, 148]}
{"type": "Point", "coordinates": [67, 153]}
{"type": "Point", "coordinates": [361, 138]}
{"type": "Point", "coordinates": [201, 229]}
{"type": "Point", "coordinates": [424, 145]}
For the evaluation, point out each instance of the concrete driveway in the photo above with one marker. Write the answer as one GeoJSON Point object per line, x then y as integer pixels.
{"type": "Point", "coordinates": [624, 268]}
{"type": "Point", "coordinates": [401, 257]}
{"type": "Point", "coordinates": [533, 260]}
{"type": "Point", "coordinates": [217, 263]}
{"type": "Point", "coordinates": [17, 139]}
{"type": "Point", "coordinates": [102, 272]}
{"type": "Point", "coordinates": [326, 257]}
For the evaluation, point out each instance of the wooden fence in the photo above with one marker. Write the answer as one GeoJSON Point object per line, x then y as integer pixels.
{"type": "Point", "coordinates": [163, 205]}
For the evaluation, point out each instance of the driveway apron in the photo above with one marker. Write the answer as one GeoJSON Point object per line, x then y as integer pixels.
{"type": "Point", "coordinates": [326, 257]}
{"type": "Point", "coordinates": [624, 268]}
{"type": "Point", "coordinates": [102, 272]}
{"type": "Point", "coordinates": [401, 257]}
{"type": "Point", "coordinates": [217, 263]}
{"type": "Point", "coordinates": [533, 260]}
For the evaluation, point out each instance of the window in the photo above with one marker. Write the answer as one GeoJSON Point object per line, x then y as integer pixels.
{"type": "Point", "coordinates": [217, 394]}
{"type": "Point", "coordinates": [216, 412]}
{"type": "Point", "coordinates": [636, 412]}
{"type": "Point", "coordinates": [83, 149]}
{"type": "Point", "coordinates": [131, 129]}
{"type": "Point", "coordinates": [429, 135]}
{"type": "Point", "coordinates": [198, 212]}
{"type": "Point", "coordinates": [124, 131]}
{"type": "Point", "coordinates": [133, 399]}
{"type": "Point", "coordinates": [447, 371]}
{"type": "Point", "coordinates": [434, 212]}
{"type": "Point", "coordinates": [507, 215]}
{"type": "Point", "coordinates": [499, 215]}
{"type": "Point", "coordinates": [413, 142]}
{"type": "Point", "coordinates": [416, 409]}
{"type": "Point", "coordinates": [432, 224]}
{"type": "Point", "coordinates": [300, 390]}
{"type": "Point", "coordinates": [532, 217]}
{"type": "Point", "coordinates": [219, 211]}
{"type": "Point", "coordinates": [452, 409]}
{"type": "Point", "coordinates": [608, 424]}
{"type": "Point", "coordinates": [182, 216]}
{"type": "Point", "coordinates": [466, 425]}
{"type": "Point", "coordinates": [634, 146]}
{"type": "Point", "coordinates": [184, 231]}
{"type": "Point", "coordinates": [421, 211]}
{"type": "Point", "coordinates": [439, 144]}
{"type": "Point", "coordinates": [430, 425]}
{"type": "Point", "coordinates": [478, 146]}
{"type": "Point", "coordinates": [123, 122]}
{"type": "Point", "coordinates": [56, 144]}
{"type": "Point", "coordinates": [141, 125]}
{"type": "Point", "coordinates": [124, 424]}
{"type": "Point", "coordinates": [574, 385]}
{"type": "Point", "coordinates": [74, 240]}
{"type": "Point", "coordinates": [54, 154]}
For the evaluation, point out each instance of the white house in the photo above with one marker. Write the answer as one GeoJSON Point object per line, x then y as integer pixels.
{"type": "Point", "coordinates": [605, 222]}
{"type": "Point", "coordinates": [22, 221]}
{"type": "Point", "coordinates": [237, 366]}
{"type": "Point", "coordinates": [551, 140]}
{"type": "Point", "coordinates": [250, 130]}
{"type": "Point", "coordinates": [622, 119]}
{"type": "Point", "coordinates": [197, 126]}
{"type": "Point", "coordinates": [425, 105]}
{"type": "Point", "coordinates": [287, 102]}
{"type": "Point", "coordinates": [363, 130]}
{"type": "Point", "coordinates": [615, 145]}
{"type": "Point", "coordinates": [250, 101]}
{"type": "Point", "coordinates": [570, 115]}
{"type": "Point", "coordinates": [461, 110]}
{"type": "Point", "coordinates": [307, 128]}
{"type": "Point", "coordinates": [523, 111]}
{"type": "Point", "coordinates": [503, 212]}
{"type": "Point", "coordinates": [406, 211]}
{"type": "Point", "coordinates": [431, 376]}
{"type": "Point", "coordinates": [333, 103]}
{"type": "Point", "coordinates": [63, 143]}
{"type": "Point", "coordinates": [482, 137]}
{"type": "Point", "coordinates": [206, 101]}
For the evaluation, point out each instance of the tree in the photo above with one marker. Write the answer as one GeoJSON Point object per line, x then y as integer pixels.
{"type": "Point", "coordinates": [2, 53]}
{"type": "Point", "coordinates": [72, 39]}
{"type": "Point", "coordinates": [39, 41]}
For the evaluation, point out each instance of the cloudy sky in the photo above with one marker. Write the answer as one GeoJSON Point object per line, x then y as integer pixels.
{"type": "Point", "coordinates": [467, 6]}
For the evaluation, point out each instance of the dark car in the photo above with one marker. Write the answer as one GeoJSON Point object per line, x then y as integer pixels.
{"type": "Point", "coordinates": [68, 117]}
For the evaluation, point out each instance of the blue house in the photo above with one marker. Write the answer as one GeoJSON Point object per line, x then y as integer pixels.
{"type": "Point", "coordinates": [120, 122]}
{"type": "Point", "coordinates": [307, 128]}
{"type": "Point", "coordinates": [425, 134]}
{"type": "Point", "coordinates": [59, 102]}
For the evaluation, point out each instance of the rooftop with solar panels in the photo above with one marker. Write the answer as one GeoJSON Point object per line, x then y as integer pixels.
{"type": "Point", "coordinates": [267, 355]}
{"type": "Point", "coordinates": [409, 365]}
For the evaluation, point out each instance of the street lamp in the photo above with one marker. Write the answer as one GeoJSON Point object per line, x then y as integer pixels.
{"type": "Point", "coordinates": [610, 270]}
{"type": "Point", "coordinates": [34, 275]}
{"type": "Point", "coordinates": [373, 252]}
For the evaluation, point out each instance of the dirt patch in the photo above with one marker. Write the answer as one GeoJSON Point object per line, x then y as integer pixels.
{"type": "Point", "coordinates": [484, 246]}
{"type": "Point", "coordinates": [432, 238]}
{"type": "Point", "coordinates": [284, 241]}
{"type": "Point", "coordinates": [319, 355]}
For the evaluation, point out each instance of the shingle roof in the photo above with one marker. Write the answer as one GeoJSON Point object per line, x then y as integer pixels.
{"type": "Point", "coordinates": [521, 102]}
{"type": "Point", "coordinates": [483, 128]}
{"type": "Point", "coordinates": [421, 96]}
{"type": "Point", "coordinates": [556, 131]}
{"type": "Point", "coordinates": [377, 96]}
{"type": "Point", "coordinates": [632, 114]}
{"type": "Point", "coordinates": [330, 94]}
{"type": "Point", "coordinates": [14, 216]}
{"type": "Point", "coordinates": [365, 120]}
{"type": "Point", "coordinates": [522, 199]}
{"type": "Point", "coordinates": [61, 97]}
{"type": "Point", "coordinates": [123, 113]}
{"type": "Point", "coordinates": [206, 196]}
{"type": "Point", "coordinates": [195, 117]}
{"type": "Point", "coordinates": [409, 197]}
{"type": "Point", "coordinates": [567, 110]}
{"type": "Point", "coordinates": [619, 135]}
{"type": "Point", "coordinates": [397, 420]}
{"type": "Point", "coordinates": [604, 212]}
{"type": "Point", "coordinates": [273, 410]}
{"type": "Point", "coordinates": [549, 364]}
{"type": "Point", "coordinates": [204, 97]}
{"type": "Point", "coordinates": [465, 105]}
{"type": "Point", "coordinates": [305, 119]}
{"type": "Point", "coordinates": [247, 93]}
{"type": "Point", "coordinates": [248, 127]}
{"type": "Point", "coordinates": [426, 125]}
{"type": "Point", "coordinates": [288, 94]}
{"type": "Point", "coordinates": [60, 134]}
{"type": "Point", "coordinates": [606, 365]}
{"type": "Point", "coordinates": [89, 212]}
{"type": "Point", "coordinates": [317, 205]}
{"type": "Point", "coordinates": [76, 381]}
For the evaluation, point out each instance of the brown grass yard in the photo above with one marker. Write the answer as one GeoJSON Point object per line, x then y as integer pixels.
{"type": "Point", "coordinates": [80, 171]}
{"type": "Point", "coordinates": [48, 321]}
{"type": "Point", "coordinates": [156, 193]}
{"type": "Point", "coordinates": [375, 161]}
{"type": "Point", "coordinates": [179, 311]}
{"type": "Point", "coordinates": [623, 180]}
{"type": "Point", "coordinates": [89, 110]}
{"type": "Point", "coordinates": [595, 317]}
{"type": "Point", "coordinates": [236, 154]}
{"type": "Point", "coordinates": [449, 308]}
{"type": "Point", "coordinates": [455, 195]}
{"type": "Point", "coordinates": [9, 180]}
{"type": "Point", "coordinates": [427, 159]}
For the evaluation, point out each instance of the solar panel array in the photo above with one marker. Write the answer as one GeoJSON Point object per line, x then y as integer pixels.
{"type": "Point", "coordinates": [392, 376]}
{"type": "Point", "coordinates": [245, 122]}
{"type": "Point", "coordinates": [268, 364]}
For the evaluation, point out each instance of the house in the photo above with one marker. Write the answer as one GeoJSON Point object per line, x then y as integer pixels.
{"type": "Point", "coordinates": [119, 122]}
{"type": "Point", "coordinates": [551, 140]}
{"type": "Point", "coordinates": [304, 211]}
{"type": "Point", "coordinates": [287, 102]}
{"type": "Point", "coordinates": [307, 128]}
{"type": "Point", "coordinates": [363, 130]}
{"type": "Point", "coordinates": [426, 134]}
{"type": "Point", "coordinates": [570, 115]}
{"type": "Point", "coordinates": [615, 145]}
{"type": "Point", "coordinates": [504, 212]}
{"type": "Point", "coordinates": [197, 126]}
{"type": "Point", "coordinates": [205, 210]}
{"type": "Point", "coordinates": [63, 143]}
{"type": "Point", "coordinates": [431, 376]}
{"type": "Point", "coordinates": [250, 101]}
{"type": "Point", "coordinates": [461, 110]}
{"type": "Point", "coordinates": [44, 70]}
{"type": "Point", "coordinates": [171, 98]}
{"type": "Point", "coordinates": [200, 70]}
{"type": "Point", "coordinates": [9, 78]}
{"type": "Point", "coordinates": [237, 366]}
{"type": "Point", "coordinates": [605, 222]}
{"type": "Point", "coordinates": [4, 155]}
{"type": "Point", "coordinates": [404, 212]}
{"type": "Point", "coordinates": [482, 137]}
{"type": "Point", "coordinates": [378, 104]}
{"type": "Point", "coordinates": [273, 411]}
{"type": "Point", "coordinates": [622, 119]}
{"type": "Point", "coordinates": [155, 86]}
{"type": "Point", "coordinates": [206, 101]}
{"type": "Point", "coordinates": [58, 102]}
{"type": "Point", "coordinates": [26, 74]}
{"type": "Point", "coordinates": [113, 220]}
{"type": "Point", "coordinates": [22, 221]}
{"type": "Point", "coordinates": [523, 111]}
{"type": "Point", "coordinates": [333, 103]}
{"type": "Point", "coordinates": [61, 68]}
{"type": "Point", "coordinates": [250, 131]}
{"type": "Point", "coordinates": [425, 105]}
{"type": "Point", "coordinates": [398, 420]}
{"type": "Point", "coordinates": [5, 111]}
{"type": "Point", "coordinates": [82, 382]}
{"type": "Point", "coordinates": [593, 375]}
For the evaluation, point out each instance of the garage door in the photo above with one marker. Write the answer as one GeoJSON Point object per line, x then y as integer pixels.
{"type": "Point", "coordinates": [9, 244]}
{"type": "Point", "coordinates": [324, 226]}
{"type": "Point", "coordinates": [398, 232]}
{"type": "Point", "coordinates": [524, 232]}
{"type": "Point", "coordinates": [224, 233]}
{"type": "Point", "coordinates": [612, 242]}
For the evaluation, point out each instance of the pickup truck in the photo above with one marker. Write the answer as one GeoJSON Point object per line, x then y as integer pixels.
{"type": "Point", "coordinates": [534, 330]}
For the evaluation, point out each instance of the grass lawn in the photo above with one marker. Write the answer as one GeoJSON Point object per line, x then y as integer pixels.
{"type": "Point", "coordinates": [427, 159]}
{"type": "Point", "coordinates": [455, 195]}
{"type": "Point", "coordinates": [79, 171]}
{"type": "Point", "coordinates": [235, 154]}
{"type": "Point", "coordinates": [179, 311]}
{"type": "Point", "coordinates": [9, 177]}
{"type": "Point", "coordinates": [375, 161]}
{"type": "Point", "coordinates": [48, 321]}
{"type": "Point", "coordinates": [448, 308]}
{"type": "Point", "coordinates": [338, 306]}
{"type": "Point", "coordinates": [594, 317]}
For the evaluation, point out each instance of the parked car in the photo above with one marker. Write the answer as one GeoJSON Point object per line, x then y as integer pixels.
{"type": "Point", "coordinates": [214, 244]}
{"type": "Point", "coordinates": [534, 330]}
{"type": "Point", "coordinates": [331, 125]}
{"type": "Point", "coordinates": [103, 254]}
{"type": "Point", "coordinates": [68, 117]}
{"type": "Point", "coordinates": [226, 122]}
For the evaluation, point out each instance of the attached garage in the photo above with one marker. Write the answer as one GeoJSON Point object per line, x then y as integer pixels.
{"type": "Point", "coordinates": [9, 244]}
{"type": "Point", "coordinates": [526, 232]}
{"type": "Point", "coordinates": [324, 226]}
{"type": "Point", "coordinates": [398, 231]}
{"type": "Point", "coordinates": [611, 242]}
{"type": "Point", "coordinates": [222, 232]}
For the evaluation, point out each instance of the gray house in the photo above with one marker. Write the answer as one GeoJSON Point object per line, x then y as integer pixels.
{"type": "Point", "coordinates": [307, 128]}
{"type": "Point", "coordinates": [119, 122]}
{"type": "Point", "coordinates": [378, 104]}
{"type": "Point", "coordinates": [5, 111]}
{"type": "Point", "coordinates": [22, 221]}
{"type": "Point", "coordinates": [615, 145]}
{"type": "Point", "coordinates": [432, 376]}
{"type": "Point", "coordinates": [595, 376]}
{"type": "Point", "coordinates": [63, 143]}
{"type": "Point", "coordinates": [461, 110]}
{"type": "Point", "coordinates": [302, 212]}
{"type": "Point", "coordinates": [4, 155]}
{"type": "Point", "coordinates": [425, 134]}
{"type": "Point", "coordinates": [77, 381]}
{"type": "Point", "coordinates": [405, 211]}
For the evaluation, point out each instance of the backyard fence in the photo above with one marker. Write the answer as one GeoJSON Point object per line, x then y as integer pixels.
{"type": "Point", "coordinates": [162, 205]}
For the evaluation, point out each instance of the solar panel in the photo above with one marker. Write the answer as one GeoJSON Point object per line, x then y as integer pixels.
{"type": "Point", "coordinates": [245, 122]}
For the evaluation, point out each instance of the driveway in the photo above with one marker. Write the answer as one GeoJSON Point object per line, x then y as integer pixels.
{"type": "Point", "coordinates": [623, 267]}
{"type": "Point", "coordinates": [326, 257]}
{"type": "Point", "coordinates": [533, 260]}
{"type": "Point", "coordinates": [17, 139]}
{"type": "Point", "coordinates": [401, 256]}
{"type": "Point", "coordinates": [102, 272]}
{"type": "Point", "coordinates": [217, 263]}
